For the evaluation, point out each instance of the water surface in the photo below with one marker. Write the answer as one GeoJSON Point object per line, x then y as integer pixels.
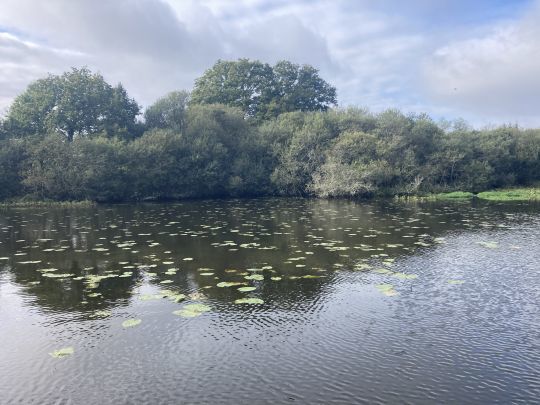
{"type": "Point", "coordinates": [362, 302]}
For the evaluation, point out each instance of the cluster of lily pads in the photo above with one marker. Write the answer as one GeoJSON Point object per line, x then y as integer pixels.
{"type": "Point", "coordinates": [147, 244]}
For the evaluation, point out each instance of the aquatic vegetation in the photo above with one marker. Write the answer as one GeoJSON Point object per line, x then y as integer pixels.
{"type": "Point", "coordinates": [251, 301]}
{"type": "Point", "coordinates": [55, 275]}
{"type": "Point", "coordinates": [223, 284]}
{"type": "Point", "coordinates": [61, 353]}
{"type": "Point", "coordinates": [257, 277]}
{"type": "Point", "coordinates": [517, 194]}
{"type": "Point", "coordinates": [489, 245]}
{"type": "Point", "coordinates": [456, 282]}
{"type": "Point", "coordinates": [192, 310]}
{"type": "Point", "coordinates": [247, 289]}
{"type": "Point", "coordinates": [275, 278]}
{"type": "Point", "coordinates": [130, 323]}
{"type": "Point", "coordinates": [101, 314]}
{"type": "Point", "coordinates": [387, 289]}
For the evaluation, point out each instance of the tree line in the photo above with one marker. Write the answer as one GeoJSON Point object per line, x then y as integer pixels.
{"type": "Point", "coordinates": [246, 129]}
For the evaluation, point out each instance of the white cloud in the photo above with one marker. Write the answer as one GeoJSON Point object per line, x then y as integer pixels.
{"type": "Point", "coordinates": [493, 77]}
{"type": "Point", "coordinates": [378, 54]}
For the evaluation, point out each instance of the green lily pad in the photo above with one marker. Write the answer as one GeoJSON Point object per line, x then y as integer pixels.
{"type": "Point", "coordinates": [101, 314]}
{"type": "Point", "coordinates": [64, 352]}
{"type": "Point", "coordinates": [258, 277]}
{"type": "Point", "coordinates": [387, 289]}
{"type": "Point", "coordinates": [131, 323]}
{"type": "Point", "coordinates": [229, 284]}
{"type": "Point", "coordinates": [177, 297]}
{"type": "Point", "coordinates": [275, 278]}
{"type": "Point", "coordinates": [253, 301]}
{"type": "Point", "coordinates": [192, 310]}
{"type": "Point", "coordinates": [489, 245]}
{"type": "Point", "coordinates": [247, 289]}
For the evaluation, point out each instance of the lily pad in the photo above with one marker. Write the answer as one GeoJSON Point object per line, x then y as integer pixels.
{"type": "Point", "coordinates": [387, 289]}
{"type": "Point", "coordinates": [192, 310]}
{"type": "Point", "coordinates": [489, 245]}
{"type": "Point", "coordinates": [258, 277]}
{"type": "Point", "coordinates": [252, 301]}
{"type": "Point", "coordinates": [229, 284]}
{"type": "Point", "coordinates": [131, 323]}
{"type": "Point", "coordinates": [101, 314]}
{"type": "Point", "coordinates": [64, 352]}
{"type": "Point", "coordinates": [247, 289]}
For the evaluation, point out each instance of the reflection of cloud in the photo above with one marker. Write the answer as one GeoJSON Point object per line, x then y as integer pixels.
{"type": "Point", "coordinates": [377, 53]}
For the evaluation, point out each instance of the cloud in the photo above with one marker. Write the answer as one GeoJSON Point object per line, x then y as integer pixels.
{"type": "Point", "coordinates": [493, 75]}
{"type": "Point", "coordinates": [378, 54]}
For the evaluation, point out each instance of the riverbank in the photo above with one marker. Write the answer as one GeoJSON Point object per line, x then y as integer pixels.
{"type": "Point", "coordinates": [515, 194]}
{"type": "Point", "coordinates": [22, 203]}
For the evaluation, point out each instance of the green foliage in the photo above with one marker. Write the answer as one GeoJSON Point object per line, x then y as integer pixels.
{"type": "Point", "coordinates": [73, 137]}
{"type": "Point", "coordinates": [519, 194]}
{"type": "Point", "coordinates": [263, 91]}
{"type": "Point", "coordinates": [168, 112]}
{"type": "Point", "coordinates": [77, 103]}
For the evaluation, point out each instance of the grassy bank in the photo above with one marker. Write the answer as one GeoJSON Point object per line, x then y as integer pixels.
{"type": "Point", "coordinates": [516, 194]}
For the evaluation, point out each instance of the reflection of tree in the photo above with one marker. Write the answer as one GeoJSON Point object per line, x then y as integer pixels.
{"type": "Point", "coordinates": [271, 231]}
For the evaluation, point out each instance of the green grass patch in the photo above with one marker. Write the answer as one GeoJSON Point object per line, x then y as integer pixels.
{"type": "Point", "coordinates": [454, 195]}
{"type": "Point", "coordinates": [516, 194]}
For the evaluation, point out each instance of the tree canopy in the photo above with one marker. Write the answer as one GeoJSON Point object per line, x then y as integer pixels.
{"type": "Point", "coordinates": [262, 91]}
{"type": "Point", "coordinates": [168, 112]}
{"type": "Point", "coordinates": [76, 103]}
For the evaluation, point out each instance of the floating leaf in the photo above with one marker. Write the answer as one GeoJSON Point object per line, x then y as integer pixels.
{"type": "Point", "coordinates": [131, 323]}
{"type": "Point", "coordinates": [177, 297]}
{"type": "Point", "coordinates": [489, 245]}
{"type": "Point", "coordinates": [247, 289]}
{"type": "Point", "coordinates": [258, 277]}
{"type": "Point", "coordinates": [254, 301]}
{"type": "Point", "coordinates": [192, 310]}
{"type": "Point", "coordinates": [101, 314]}
{"type": "Point", "coordinates": [64, 352]}
{"type": "Point", "coordinates": [387, 289]}
{"type": "Point", "coordinates": [229, 284]}
{"type": "Point", "coordinates": [275, 278]}
{"type": "Point", "coordinates": [456, 282]}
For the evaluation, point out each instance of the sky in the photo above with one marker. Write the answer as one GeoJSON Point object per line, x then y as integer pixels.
{"type": "Point", "coordinates": [476, 60]}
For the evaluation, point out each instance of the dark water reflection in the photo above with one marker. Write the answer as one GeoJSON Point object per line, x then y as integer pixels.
{"type": "Point", "coordinates": [465, 330]}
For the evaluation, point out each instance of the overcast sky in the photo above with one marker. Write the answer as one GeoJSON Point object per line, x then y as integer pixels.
{"type": "Point", "coordinates": [479, 60]}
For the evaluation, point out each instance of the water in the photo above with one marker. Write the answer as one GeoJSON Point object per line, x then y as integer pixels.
{"type": "Point", "coordinates": [465, 330]}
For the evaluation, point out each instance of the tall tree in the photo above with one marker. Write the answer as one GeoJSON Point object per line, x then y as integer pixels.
{"type": "Point", "coordinates": [168, 112]}
{"type": "Point", "coordinates": [76, 103]}
{"type": "Point", "coordinates": [263, 91]}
